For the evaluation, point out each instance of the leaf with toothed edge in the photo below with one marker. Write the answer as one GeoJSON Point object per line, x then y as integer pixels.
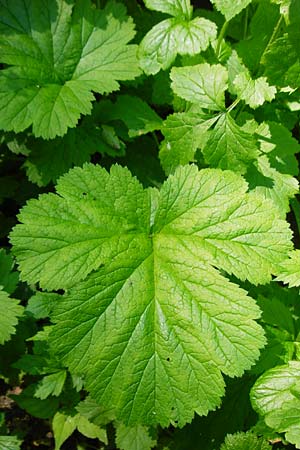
{"type": "Point", "coordinates": [148, 321]}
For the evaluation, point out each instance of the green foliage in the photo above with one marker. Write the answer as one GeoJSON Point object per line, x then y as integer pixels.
{"type": "Point", "coordinates": [149, 260]}
{"type": "Point", "coordinates": [72, 51]}
{"type": "Point", "coordinates": [276, 396]}
{"type": "Point", "coordinates": [10, 443]}
{"type": "Point", "coordinates": [244, 441]}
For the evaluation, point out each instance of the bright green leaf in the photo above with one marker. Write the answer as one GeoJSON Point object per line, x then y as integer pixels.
{"type": "Point", "coordinates": [203, 84]}
{"type": "Point", "coordinates": [10, 443]}
{"type": "Point", "coordinates": [173, 7]}
{"type": "Point", "coordinates": [151, 257]}
{"type": "Point", "coordinates": [51, 385]}
{"type": "Point", "coordinates": [57, 58]}
{"type": "Point", "coordinates": [133, 438]}
{"type": "Point", "coordinates": [230, 8]}
{"type": "Point", "coordinates": [244, 441]}
{"type": "Point", "coordinates": [90, 430]}
{"type": "Point", "coordinates": [184, 133]}
{"type": "Point", "coordinates": [63, 426]}
{"type": "Point", "coordinates": [289, 271]}
{"type": "Point", "coordinates": [170, 37]}
{"type": "Point", "coordinates": [280, 187]}
{"type": "Point", "coordinates": [10, 311]}
{"type": "Point", "coordinates": [253, 92]}
{"type": "Point", "coordinates": [275, 396]}
{"type": "Point", "coordinates": [228, 146]}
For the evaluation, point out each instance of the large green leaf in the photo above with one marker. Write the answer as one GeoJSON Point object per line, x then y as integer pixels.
{"type": "Point", "coordinates": [153, 323]}
{"type": "Point", "coordinates": [59, 52]}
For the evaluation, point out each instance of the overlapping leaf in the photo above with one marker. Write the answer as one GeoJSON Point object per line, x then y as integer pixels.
{"type": "Point", "coordinates": [275, 396]}
{"type": "Point", "coordinates": [244, 441]}
{"type": "Point", "coordinates": [10, 311]}
{"type": "Point", "coordinates": [289, 271]}
{"type": "Point", "coordinates": [228, 145]}
{"type": "Point", "coordinates": [178, 35]}
{"type": "Point", "coordinates": [230, 9]}
{"type": "Point", "coordinates": [152, 255]}
{"type": "Point", "coordinates": [203, 84]}
{"type": "Point", "coordinates": [56, 58]}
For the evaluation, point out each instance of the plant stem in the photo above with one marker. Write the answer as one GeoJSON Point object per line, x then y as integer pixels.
{"type": "Point", "coordinates": [296, 211]}
{"type": "Point", "coordinates": [221, 37]}
{"type": "Point", "coordinates": [272, 39]}
{"type": "Point", "coordinates": [155, 138]}
{"type": "Point", "coordinates": [233, 105]}
{"type": "Point", "coordinates": [246, 23]}
{"type": "Point", "coordinates": [98, 4]}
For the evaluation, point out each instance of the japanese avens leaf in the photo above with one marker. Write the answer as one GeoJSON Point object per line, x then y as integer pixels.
{"type": "Point", "coordinates": [10, 311]}
{"type": "Point", "coordinates": [178, 35]}
{"type": "Point", "coordinates": [203, 84]}
{"type": "Point", "coordinates": [153, 323]}
{"type": "Point", "coordinates": [275, 396]}
{"type": "Point", "coordinates": [229, 8]}
{"type": "Point", "coordinates": [228, 145]}
{"type": "Point", "coordinates": [56, 58]}
{"type": "Point", "coordinates": [172, 7]}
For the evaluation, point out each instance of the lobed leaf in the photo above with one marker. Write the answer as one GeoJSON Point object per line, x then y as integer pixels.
{"type": "Point", "coordinates": [55, 59]}
{"type": "Point", "coordinates": [203, 84]}
{"type": "Point", "coordinates": [148, 263]}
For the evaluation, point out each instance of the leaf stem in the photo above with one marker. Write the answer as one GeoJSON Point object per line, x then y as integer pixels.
{"type": "Point", "coordinates": [246, 23]}
{"type": "Point", "coordinates": [221, 37]}
{"type": "Point", "coordinates": [296, 211]}
{"type": "Point", "coordinates": [155, 138]}
{"type": "Point", "coordinates": [233, 105]}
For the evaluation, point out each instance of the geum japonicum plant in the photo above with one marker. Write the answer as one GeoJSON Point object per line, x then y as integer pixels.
{"type": "Point", "coordinates": [152, 274]}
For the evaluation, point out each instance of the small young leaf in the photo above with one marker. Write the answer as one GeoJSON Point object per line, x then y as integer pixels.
{"type": "Point", "coordinates": [289, 271]}
{"type": "Point", "coordinates": [63, 426]}
{"type": "Point", "coordinates": [245, 441]}
{"type": "Point", "coordinates": [253, 92]}
{"type": "Point", "coordinates": [51, 385]}
{"type": "Point", "coordinates": [172, 7]}
{"type": "Point", "coordinates": [275, 396]}
{"type": "Point", "coordinates": [203, 84]}
{"type": "Point", "coordinates": [184, 133]}
{"type": "Point", "coordinates": [170, 37]}
{"type": "Point", "coordinates": [133, 438]}
{"type": "Point", "coordinates": [229, 146]}
{"type": "Point", "coordinates": [229, 8]}
{"type": "Point", "coordinates": [10, 311]}
{"type": "Point", "coordinates": [10, 443]}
